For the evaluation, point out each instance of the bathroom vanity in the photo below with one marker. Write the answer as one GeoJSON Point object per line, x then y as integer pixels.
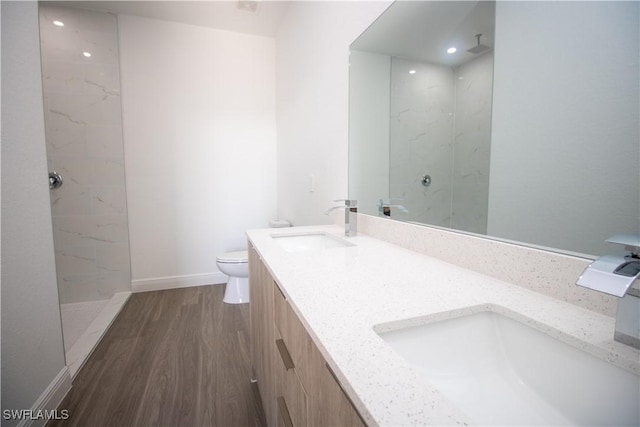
{"type": "Point", "coordinates": [297, 386]}
{"type": "Point", "coordinates": [331, 325]}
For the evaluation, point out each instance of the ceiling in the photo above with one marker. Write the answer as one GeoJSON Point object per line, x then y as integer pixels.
{"type": "Point", "coordinates": [424, 30]}
{"type": "Point", "coordinates": [418, 30]}
{"type": "Point", "coordinates": [260, 17]}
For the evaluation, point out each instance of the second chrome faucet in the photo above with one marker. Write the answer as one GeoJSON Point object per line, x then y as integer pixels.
{"type": "Point", "coordinates": [350, 221]}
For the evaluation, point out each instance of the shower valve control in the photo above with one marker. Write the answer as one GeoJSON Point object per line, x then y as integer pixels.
{"type": "Point", "coordinates": [55, 180]}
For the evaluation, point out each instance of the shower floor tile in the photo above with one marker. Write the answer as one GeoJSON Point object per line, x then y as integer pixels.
{"type": "Point", "coordinates": [76, 318]}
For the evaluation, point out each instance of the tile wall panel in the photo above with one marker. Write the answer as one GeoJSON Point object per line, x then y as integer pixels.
{"type": "Point", "coordinates": [83, 116]}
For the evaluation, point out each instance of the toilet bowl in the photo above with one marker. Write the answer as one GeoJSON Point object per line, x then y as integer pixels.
{"type": "Point", "coordinates": [236, 266]}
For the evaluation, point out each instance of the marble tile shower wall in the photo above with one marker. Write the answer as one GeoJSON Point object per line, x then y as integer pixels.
{"type": "Point", "coordinates": [83, 117]}
{"type": "Point", "coordinates": [472, 143]}
{"type": "Point", "coordinates": [421, 133]}
{"type": "Point", "coordinates": [440, 126]}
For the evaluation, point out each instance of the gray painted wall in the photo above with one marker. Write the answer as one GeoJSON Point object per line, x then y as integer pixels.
{"type": "Point", "coordinates": [573, 182]}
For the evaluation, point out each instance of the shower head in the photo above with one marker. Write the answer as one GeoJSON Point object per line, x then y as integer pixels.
{"type": "Point", "coordinates": [479, 48]}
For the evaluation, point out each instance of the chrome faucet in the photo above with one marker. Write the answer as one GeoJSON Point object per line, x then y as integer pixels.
{"type": "Point", "coordinates": [618, 275]}
{"type": "Point", "coordinates": [385, 205]}
{"type": "Point", "coordinates": [350, 221]}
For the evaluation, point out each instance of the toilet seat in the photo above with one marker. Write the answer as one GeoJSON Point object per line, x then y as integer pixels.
{"type": "Point", "coordinates": [237, 257]}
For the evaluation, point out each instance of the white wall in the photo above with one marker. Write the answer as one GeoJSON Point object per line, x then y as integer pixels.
{"type": "Point", "coordinates": [589, 108]}
{"type": "Point", "coordinates": [200, 148]}
{"type": "Point", "coordinates": [312, 59]}
{"type": "Point", "coordinates": [32, 349]}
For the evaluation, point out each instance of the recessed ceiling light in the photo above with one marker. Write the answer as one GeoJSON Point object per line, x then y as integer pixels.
{"type": "Point", "coordinates": [58, 23]}
{"type": "Point", "coordinates": [451, 50]}
{"type": "Point", "coordinates": [87, 54]}
{"type": "Point", "coordinates": [412, 71]}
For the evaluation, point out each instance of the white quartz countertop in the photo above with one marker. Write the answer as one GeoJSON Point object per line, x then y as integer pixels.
{"type": "Point", "coordinates": [342, 294]}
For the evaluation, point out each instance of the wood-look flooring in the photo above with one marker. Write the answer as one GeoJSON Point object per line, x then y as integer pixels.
{"type": "Point", "coordinates": [178, 357]}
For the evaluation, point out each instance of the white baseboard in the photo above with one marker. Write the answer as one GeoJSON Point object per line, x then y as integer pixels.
{"type": "Point", "coordinates": [49, 400]}
{"type": "Point", "coordinates": [172, 282]}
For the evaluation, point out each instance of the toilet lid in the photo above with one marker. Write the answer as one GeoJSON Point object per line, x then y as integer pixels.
{"type": "Point", "coordinates": [234, 257]}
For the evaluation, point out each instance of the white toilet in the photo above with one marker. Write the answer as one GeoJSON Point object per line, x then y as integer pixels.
{"type": "Point", "coordinates": [236, 266]}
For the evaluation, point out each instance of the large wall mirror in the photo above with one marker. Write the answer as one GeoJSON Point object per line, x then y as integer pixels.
{"type": "Point", "coordinates": [514, 120]}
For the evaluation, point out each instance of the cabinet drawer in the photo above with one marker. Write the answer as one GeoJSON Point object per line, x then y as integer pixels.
{"type": "Point", "coordinates": [292, 402]}
{"type": "Point", "coordinates": [291, 331]}
{"type": "Point", "coordinates": [290, 394]}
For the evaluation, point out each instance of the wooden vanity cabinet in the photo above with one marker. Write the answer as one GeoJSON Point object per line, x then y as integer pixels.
{"type": "Point", "coordinates": [262, 333]}
{"type": "Point", "coordinates": [302, 389]}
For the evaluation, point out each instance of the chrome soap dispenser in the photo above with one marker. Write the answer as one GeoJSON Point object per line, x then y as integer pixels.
{"type": "Point", "coordinates": [618, 275]}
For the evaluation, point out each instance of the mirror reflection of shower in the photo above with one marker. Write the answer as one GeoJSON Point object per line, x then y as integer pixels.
{"type": "Point", "coordinates": [417, 119]}
{"type": "Point", "coordinates": [440, 123]}
{"type": "Point", "coordinates": [420, 106]}
{"type": "Point", "coordinates": [533, 89]}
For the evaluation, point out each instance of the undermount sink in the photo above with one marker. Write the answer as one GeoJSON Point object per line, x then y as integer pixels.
{"type": "Point", "coordinates": [502, 372]}
{"type": "Point", "coordinates": [309, 241]}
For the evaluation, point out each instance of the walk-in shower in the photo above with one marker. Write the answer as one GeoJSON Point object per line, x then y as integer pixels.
{"type": "Point", "coordinates": [83, 119]}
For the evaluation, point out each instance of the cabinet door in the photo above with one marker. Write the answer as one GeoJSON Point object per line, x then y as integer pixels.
{"type": "Point", "coordinates": [336, 407]}
{"type": "Point", "coordinates": [262, 333]}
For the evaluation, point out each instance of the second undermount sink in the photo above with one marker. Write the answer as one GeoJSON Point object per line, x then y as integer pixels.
{"type": "Point", "coordinates": [309, 241]}
{"type": "Point", "coordinates": [502, 372]}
